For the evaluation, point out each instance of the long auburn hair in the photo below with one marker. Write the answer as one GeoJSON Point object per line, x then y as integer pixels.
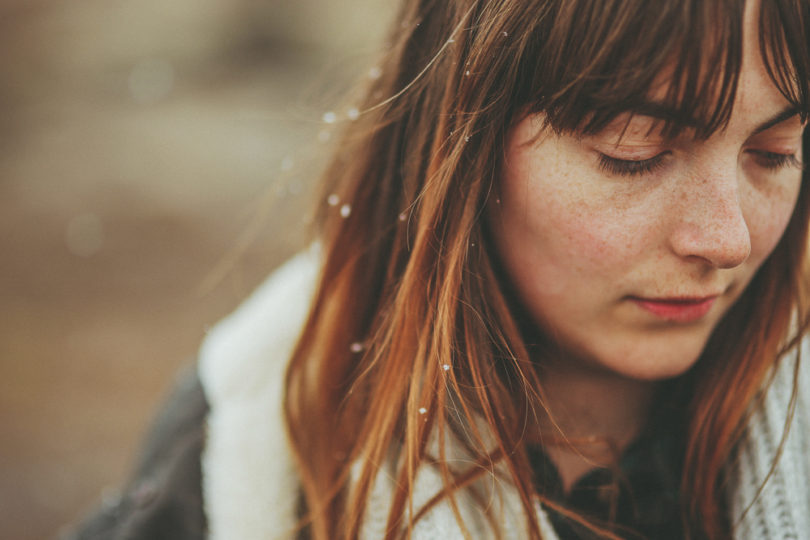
{"type": "Point", "coordinates": [411, 333]}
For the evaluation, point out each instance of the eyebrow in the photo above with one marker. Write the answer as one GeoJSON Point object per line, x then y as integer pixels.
{"type": "Point", "coordinates": [786, 114]}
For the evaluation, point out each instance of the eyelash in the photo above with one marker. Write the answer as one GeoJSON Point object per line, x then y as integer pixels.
{"type": "Point", "coordinates": [774, 161]}
{"type": "Point", "coordinates": [771, 161]}
{"type": "Point", "coordinates": [629, 167]}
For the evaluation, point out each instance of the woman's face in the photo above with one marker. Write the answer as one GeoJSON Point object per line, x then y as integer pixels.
{"type": "Point", "coordinates": [628, 248]}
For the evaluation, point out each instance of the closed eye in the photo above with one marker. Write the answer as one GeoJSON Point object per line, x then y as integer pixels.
{"type": "Point", "coordinates": [629, 167]}
{"type": "Point", "coordinates": [774, 161]}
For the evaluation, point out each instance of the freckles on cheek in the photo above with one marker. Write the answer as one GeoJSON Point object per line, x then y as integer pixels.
{"type": "Point", "coordinates": [598, 228]}
{"type": "Point", "coordinates": [603, 233]}
{"type": "Point", "coordinates": [585, 244]}
{"type": "Point", "coordinates": [588, 244]}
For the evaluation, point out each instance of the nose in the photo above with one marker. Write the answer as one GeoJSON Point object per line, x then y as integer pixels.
{"type": "Point", "coordinates": [711, 226]}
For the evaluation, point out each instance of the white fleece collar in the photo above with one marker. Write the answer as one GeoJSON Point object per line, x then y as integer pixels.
{"type": "Point", "coordinates": [249, 484]}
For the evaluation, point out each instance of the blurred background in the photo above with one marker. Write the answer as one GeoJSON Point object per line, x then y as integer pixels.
{"type": "Point", "coordinates": [140, 142]}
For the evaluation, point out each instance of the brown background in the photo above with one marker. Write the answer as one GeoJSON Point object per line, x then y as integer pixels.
{"type": "Point", "coordinates": [140, 142]}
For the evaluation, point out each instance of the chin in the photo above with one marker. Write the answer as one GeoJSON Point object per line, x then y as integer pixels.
{"type": "Point", "coordinates": [654, 365]}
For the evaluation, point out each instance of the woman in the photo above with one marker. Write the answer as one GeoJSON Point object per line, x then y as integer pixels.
{"type": "Point", "coordinates": [558, 293]}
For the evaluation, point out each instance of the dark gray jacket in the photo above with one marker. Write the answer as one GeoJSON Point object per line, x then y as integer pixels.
{"type": "Point", "coordinates": [163, 499]}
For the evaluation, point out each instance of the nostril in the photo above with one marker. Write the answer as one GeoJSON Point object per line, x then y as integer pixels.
{"type": "Point", "coordinates": [734, 255]}
{"type": "Point", "coordinates": [733, 242]}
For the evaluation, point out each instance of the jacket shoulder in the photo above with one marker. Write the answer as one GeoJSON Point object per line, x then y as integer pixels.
{"type": "Point", "coordinates": [163, 498]}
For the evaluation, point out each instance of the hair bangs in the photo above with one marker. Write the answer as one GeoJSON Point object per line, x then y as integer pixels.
{"type": "Point", "coordinates": [677, 61]}
{"type": "Point", "coordinates": [783, 42]}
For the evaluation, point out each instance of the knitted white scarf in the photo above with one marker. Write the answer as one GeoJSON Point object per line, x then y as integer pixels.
{"type": "Point", "coordinates": [249, 484]}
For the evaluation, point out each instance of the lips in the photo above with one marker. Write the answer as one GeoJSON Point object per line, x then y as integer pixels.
{"type": "Point", "coordinates": [680, 310]}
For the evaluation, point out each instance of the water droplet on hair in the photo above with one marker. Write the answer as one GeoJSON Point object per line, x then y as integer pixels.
{"type": "Point", "coordinates": [446, 367]}
{"type": "Point", "coordinates": [403, 216]}
{"type": "Point", "coordinates": [467, 138]}
{"type": "Point", "coordinates": [467, 73]}
{"type": "Point", "coordinates": [333, 199]}
{"type": "Point", "coordinates": [375, 73]}
{"type": "Point", "coordinates": [353, 113]}
{"type": "Point", "coordinates": [345, 210]}
{"type": "Point", "coordinates": [505, 33]}
{"type": "Point", "coordinates": [451, 40]}
{"type": "Point", "coordinates": [356, 347]}
{"type": "Point", "coordinates": [422, 410]}
{"type": "Point", "coordinates": [497, 201]}
{"type": "Point", "coordinates": [329, 117]}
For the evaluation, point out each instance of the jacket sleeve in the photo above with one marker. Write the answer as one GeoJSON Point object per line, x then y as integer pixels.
{"type": "Point", "coordinates": [163, 499]}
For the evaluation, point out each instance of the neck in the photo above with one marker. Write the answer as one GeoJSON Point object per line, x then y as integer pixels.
{"type": "Point", "coordinates": [592, 416]}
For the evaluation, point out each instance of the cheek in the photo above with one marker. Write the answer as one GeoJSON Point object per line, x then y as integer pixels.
{"type": "Point", "coordinates": [560, 231]}
{"type": "Point", "coordinates": [592, 237]}
{"type": "Point", "coordinates": [768, 217]}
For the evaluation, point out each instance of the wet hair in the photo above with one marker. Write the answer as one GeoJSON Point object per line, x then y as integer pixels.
{"type": "Point", "coordinates": [413, 340]}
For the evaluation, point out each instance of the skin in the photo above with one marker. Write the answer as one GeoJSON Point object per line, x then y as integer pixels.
{"type": "Point", "coordinates": [585, 245]}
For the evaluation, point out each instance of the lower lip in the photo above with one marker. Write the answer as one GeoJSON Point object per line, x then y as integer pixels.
{"type": "Point", "coordinates": [682, 311]}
